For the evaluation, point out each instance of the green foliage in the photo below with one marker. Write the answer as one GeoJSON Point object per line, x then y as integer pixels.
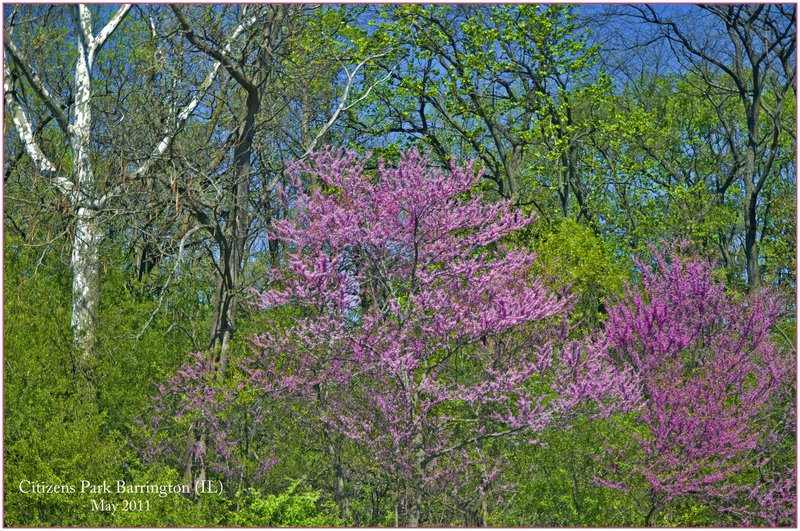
{"type": "Point", "coordinates": [292, 508]}
{"type": "Point", "coordinates": [172, 510]}
{"type": "Point", "coordinates": [610, 165]}
{"type": "Point", "coordinates": [138, 342]}
{"type": "Point", "coordinates": [553, 482]}
{"type": "Point", "coordinates": [54, 433]}
{"type": "Point", "coordinates": [575, 256]}
{"type": "Point", "coordinates": [64, 426]}
{"type": "Point", "coordinates": [508, 86]}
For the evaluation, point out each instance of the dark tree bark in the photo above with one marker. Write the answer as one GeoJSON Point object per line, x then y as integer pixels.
{"type": "Point", "coordinates": [758, 62]}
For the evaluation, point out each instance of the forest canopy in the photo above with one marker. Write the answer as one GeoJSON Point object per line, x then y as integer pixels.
{"type": "Point", "coordinates": [399, 265]}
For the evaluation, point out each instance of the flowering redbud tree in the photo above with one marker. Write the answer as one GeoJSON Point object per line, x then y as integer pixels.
{"type": "Point", "coordinates": [202, 423]}
{"type": "Point", "coordinates": [713, 380]}
{"type": "Point", "coordinates": [417, 334]}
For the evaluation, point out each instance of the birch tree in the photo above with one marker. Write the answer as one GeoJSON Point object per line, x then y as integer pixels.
{"type": "Point", "coordinates": [80, 188]}
{"type": "Point", "coordinates": [76, 182]}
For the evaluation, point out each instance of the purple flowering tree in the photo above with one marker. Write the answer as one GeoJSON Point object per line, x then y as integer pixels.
{"type": "Point", "coordinates": [417, 335]}
{"type": "Point", "coordinates": [198, 400]}
{"type": "Point", "coordinates": [713, 379]}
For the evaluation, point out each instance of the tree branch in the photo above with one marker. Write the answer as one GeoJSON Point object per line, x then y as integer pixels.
{"type": "Point", "coordinates": [219, 55]}
{"type": "Point", "coordinates": [21, 62]}
{"type": "Point", "coordinates": [23, 127]}
{"type": "Point", "coordinates": [172, 131]}
{"type": "Point", "coordinates": [98, 42]}
{"type": "Point", "coordinates": [343, 101]}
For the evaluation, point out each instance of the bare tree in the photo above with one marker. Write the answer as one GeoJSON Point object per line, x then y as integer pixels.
{"type": "Point", "coordinates": [80, 188]}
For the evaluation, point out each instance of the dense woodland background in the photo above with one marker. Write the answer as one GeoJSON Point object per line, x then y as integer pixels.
{"type": "Point", "coordinates": [146, 156]}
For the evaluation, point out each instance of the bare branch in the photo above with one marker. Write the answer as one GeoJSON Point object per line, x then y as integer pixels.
{"type": "Point", "coordinates": [25, 131]}
{"type": "Point", "coordinates": [172, 130]}
{"type": "Point", "coordinates": [219, 55]}
{"type": "Point", "coordinates": [169, 278]}
{"type": "Point", "coordinates": [50, 102]}
{"type": "Point", "coordinates": [98, 42]}
{"type": "Point", "coordinates": [343, 103]}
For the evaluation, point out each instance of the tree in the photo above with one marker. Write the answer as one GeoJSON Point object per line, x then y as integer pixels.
{"type": "Point", "coordinates": [420, 336]}
{"type": "Point", "coordinates": [277, 41]}
{"type": "Point", "coordinates": [81, 190]}
{"type": "Point", "coordinates": [713, 380]}
{"type": "Point", "coordinates": [236, 201]}
{"type": "Point", "coordinates": [74, 176]}
{"type": "Point", "coordinates": [667, 162]}
{"type": "Point", "coordinates": [758, 63]}
{"type": "Point", "coordinates": [506, 85]}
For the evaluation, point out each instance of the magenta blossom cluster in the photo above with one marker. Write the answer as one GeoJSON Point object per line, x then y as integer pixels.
{"type": "Point", "coordinates": [405, 333]}
{"type": "Point", "coordinates": [202, 423]}
{"type": "Point", "coordinates": [712, 377]}
{"type": "Point", "coordinates": [417, 332]}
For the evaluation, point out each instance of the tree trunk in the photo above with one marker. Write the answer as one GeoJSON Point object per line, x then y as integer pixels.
{"type": "Point", "coordinates": [231, 266]}
{"type": "Point", "coordinates": [513, 167]}
{"type": "Point", "coordinates": [338, 492]}
{"type": "Point", "coordinates": [232, 249]}
{"type": "Point", "coordinates": [335, 456]}
{"type": "Point", "coordinates": [85, 258]}
{"type": "Point", "coordinates": [649, 516]}
{"type": "Point", "coordinates": [415, 508]}
{"type": "Point", "coordinates": [224, 319]}
{"type": "Point", "coordinates": [751, 202]}
{"type": "Point", "coordinates": [563, 188]}
{"type": "Point", "coordinates": [84, 262]}
{"type": "Point", "coordinates": [751, 237]}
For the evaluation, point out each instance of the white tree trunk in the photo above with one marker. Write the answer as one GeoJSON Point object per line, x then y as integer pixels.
{"type": "Point", "coordinates": [80, 189]}
{"type": "Point", "coordinates": [85, 257]}
{"type": "Point", "coordinates": [85, 265]}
